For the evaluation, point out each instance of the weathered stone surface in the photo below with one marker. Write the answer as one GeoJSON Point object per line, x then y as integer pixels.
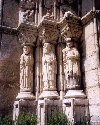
{"type": "Point", "coordinates": [86, 6]}
{"type": "Point", "coordinates": [9, 71]}
{"type": "Point", "coordinates": [91, 62]}
{"type": "Point", "coordinates": [54, 26]}
{"type": "Point", "coordinates": [90, 46]}
{"type": "Point", "coordinates": [93, 94]}
{"type": "Point", "coordinates": [10, 13]}
{"type": "Point", "coordinates": [95, 114]}
{"type": "Point", "coordinates": [91, 78]}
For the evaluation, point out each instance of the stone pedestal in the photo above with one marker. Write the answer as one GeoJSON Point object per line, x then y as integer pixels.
{"type": "Point", "coordinates": [25, 95]}
{"type": "Point", "coordinates": [47, 108]}
{"type": "Point", "coordinates": [49, 95]}
{"type": "Point", "coordinates": [75, 94]}
{"type": "Point", "coordinates": [24, 106]}
{"type": "Point", "coordinates": [76, 109]}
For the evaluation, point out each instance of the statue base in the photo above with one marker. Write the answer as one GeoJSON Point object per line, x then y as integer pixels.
{"type": "Point", "coordinates": [75, 94]}
{"type": "Point", "coordinates": [23, 106]}
{"type": "Point", "coordinates": [26, 96]}
{"type": "Point", "coordinates": [76, 110]}
{"type": "Point", "coordinates": [47, 108]}
{"type": "Point", "coordinates": [49, 95]}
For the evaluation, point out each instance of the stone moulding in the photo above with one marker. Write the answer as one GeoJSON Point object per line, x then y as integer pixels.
{"type": "Point", "coordinates": [88, 17]}
{"type": "Point", "coordinates": [8, 30]}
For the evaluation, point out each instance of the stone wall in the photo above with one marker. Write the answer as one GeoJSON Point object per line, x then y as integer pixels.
{"type": "Point", "coordinates": [90, 69]}
{"type": "Point", "coordinates": [10, 51]}
{"type": "Point", "coordinates": [87, 5]}
{"type": "Point", "coordinates": [10, 13]}
{"type": "Point", "coordinates": [9, 71]}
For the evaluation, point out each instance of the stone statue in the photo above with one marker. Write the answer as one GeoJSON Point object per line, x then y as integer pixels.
{"type": "Point", "coordinates": [49, 70]}
{"type": "Point", "coordinates": [27, 10]}
{"type": "Point", "coordinates": [26, 69]}
{"type": "Point", "coordinates": [71, 59]}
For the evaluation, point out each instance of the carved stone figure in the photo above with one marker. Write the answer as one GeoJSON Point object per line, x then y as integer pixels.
{"type": "Point", "coordinates": [49, 70]}
{"type": "Point", "coordinates": [27, 10]}
{"type": "Point", "coordinates": [71, 59]}
{"type": "Point", "coordinates": [28, 15]}
{"type": "Point", "coordinates": [26, 69]}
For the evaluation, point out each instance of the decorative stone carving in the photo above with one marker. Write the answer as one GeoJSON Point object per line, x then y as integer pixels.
{"type": "Point", "coordinates": [48, 31]}
{"type": "Point", "coordinates": [27, 37]}
{"type": "Point", "coordinates": [49, 67]}
{"type": "Point", "coordinates": [71, 59]}
{"type": "Point", "coordinates": [70, 26]}
{"type": "Point", "coordinates": [26, 73]}
{"type": "Point", "coordinates": [26, 69]}
{"type": "Point", "coordinates": [27, 11]}
{"type": "Point", "coordinates": [48, 34]}
{"type": "Point", "coordinates": [27, 34]}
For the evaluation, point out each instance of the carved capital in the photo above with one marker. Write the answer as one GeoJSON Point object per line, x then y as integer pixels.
{"type": "Point", "coordinates": [27, 34]}
{"type": "Point", "coordinates": [70, 26]}
{"type": "Point", "coordinates": [48, 31]}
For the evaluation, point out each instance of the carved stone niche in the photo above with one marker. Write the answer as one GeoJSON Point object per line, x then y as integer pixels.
{"type": "Point", "coordinates": [70, 26]}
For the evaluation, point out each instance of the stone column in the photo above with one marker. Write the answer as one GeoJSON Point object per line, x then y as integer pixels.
{"type": "Point", "coordinates": [48, 35]}
{"type": "Point", "coordinates": [60, 78]}
{"type": "Point", "coordinates": [75, 103]}
{"type": "Point", "coordinates": [25, 99]}
{"type": "Point", "coordinates": [71, 31]}
{"type": "Point", "coordinates": [26, 73]}
{"type": "Point", "coordinates": [71, 60]}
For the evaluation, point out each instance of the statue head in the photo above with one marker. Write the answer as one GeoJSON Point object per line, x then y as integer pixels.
{"type": "Point", "coordinates": [47, 48]}
{"type": "Point", "coordinates": [27, 49]}
{"type": "Point", "coordinates": [69, 44]}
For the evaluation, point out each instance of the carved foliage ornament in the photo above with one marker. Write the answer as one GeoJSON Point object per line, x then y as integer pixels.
{"type": "Point", "coordinates": [48, 34]}
{"type": "Point", "coordinates": [70, 26]}
{"type": "Point", "coordinates": [28, 36]}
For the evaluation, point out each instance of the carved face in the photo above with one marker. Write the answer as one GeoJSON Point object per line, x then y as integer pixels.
{"type": "Point", "coordinates": [47, 48]}
{"type": "Point", "coordinates": [69, 44]}
{"type": "Point", "coordinates": [26, 50]}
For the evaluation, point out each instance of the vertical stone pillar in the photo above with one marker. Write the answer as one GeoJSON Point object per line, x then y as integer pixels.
{"type": "Point", "coordinates": [1, 11]}
{"type": "Point", "coordinates": [48, 35]}
{"type": "Point", "coordinates": [26, 73]}
{"type": "Point", "coordinates": [75, 103]}
{"type": "Point", "coordinates": [71, 60]}
{"type": "Point", "coordinates": [25, 100]}
{"type": "Point", "coordinates": [60, 78]}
